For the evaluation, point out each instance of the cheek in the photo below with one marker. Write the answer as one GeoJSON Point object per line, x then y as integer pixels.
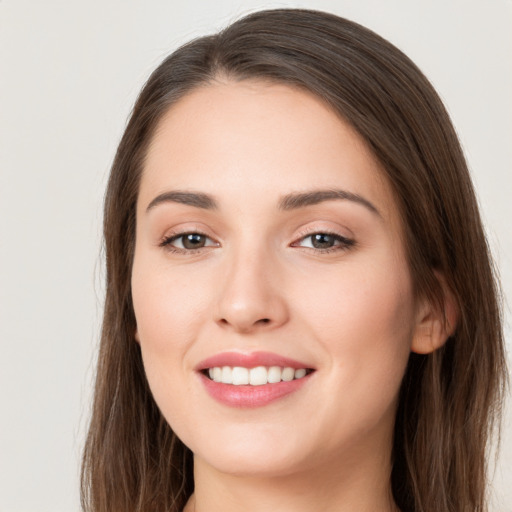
{"type": "Point", "coordinates": [166, 315]}
{"type": "Point", "coordinates": [166, 308]}
{"type": "Point", "coordinates": [364, 321]}
{"type": "Point", "coordinates": [364, 326]}
{"type": "Point", "coordinates": [361, 299]}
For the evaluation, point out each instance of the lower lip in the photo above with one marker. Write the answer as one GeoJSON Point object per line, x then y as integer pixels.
{"type": "Point", "coordinates": [251, 396]}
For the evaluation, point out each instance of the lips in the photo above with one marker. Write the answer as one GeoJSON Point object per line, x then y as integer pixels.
{"type": "Point", "coordinates": [251, 360]}
{"type": "Point", "coordinates": [252, 380]}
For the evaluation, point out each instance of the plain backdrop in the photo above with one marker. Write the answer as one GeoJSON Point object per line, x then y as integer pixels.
{"type": "Point", "coordinates": [69, 74]}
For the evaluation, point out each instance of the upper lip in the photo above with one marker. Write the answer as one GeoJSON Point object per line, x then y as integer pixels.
{"type": "Point", "coordinates": [250, 360]}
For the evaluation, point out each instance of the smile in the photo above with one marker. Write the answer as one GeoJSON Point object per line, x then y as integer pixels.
{"type": "Point", "coordinates": [252, 380]}
{"type": "Point", "coordinates": [258, 376]}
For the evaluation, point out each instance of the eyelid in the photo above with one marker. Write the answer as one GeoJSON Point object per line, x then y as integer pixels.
{"type": "Point", "coordinates": [186, 228]}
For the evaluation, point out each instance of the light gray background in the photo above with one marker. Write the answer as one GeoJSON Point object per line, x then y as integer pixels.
{"type": "Point", "coordinates": [69, 73]}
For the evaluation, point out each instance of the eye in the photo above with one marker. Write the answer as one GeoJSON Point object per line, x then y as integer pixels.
{"type": "Point", "coordinates": [187, 241]}
{"type": "Point", "coordinates": [325, 242]}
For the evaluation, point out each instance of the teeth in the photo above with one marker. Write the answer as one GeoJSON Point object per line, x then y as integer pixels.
{"type": "Point", "coordinates": [258, 376]}
{"type": "Point", "coordinates": [274, 374]}
{"type": "Point", "coordinates": [288, 374]}
{"type": "Point", "coordinates": [300, 373]}
{"type": "Point", "coordinates": [227, 375]}
{"type": "Point", "coordinates": [240, 376]}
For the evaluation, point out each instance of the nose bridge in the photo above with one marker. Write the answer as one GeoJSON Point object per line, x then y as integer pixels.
{"type": "Point", "coordinates": [250, 296]}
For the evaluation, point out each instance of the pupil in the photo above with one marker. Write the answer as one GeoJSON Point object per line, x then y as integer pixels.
{"type": "Point", "coordinates": [323, 241]}
{"type": "Point", "coordinates": [193, 241]}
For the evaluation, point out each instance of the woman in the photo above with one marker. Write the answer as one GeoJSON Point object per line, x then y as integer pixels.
{"type": "Point", "coordinates": [301, 312]}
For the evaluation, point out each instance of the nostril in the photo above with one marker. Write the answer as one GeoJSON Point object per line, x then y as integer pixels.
{"type": "Point", "coordinates": [246, 323]}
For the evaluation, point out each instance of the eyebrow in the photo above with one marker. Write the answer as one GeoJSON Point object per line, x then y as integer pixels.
{"type": "Point", "coordinates": [302, 199]}
{"type": "Point", "coordinates": [197, 199]}
{"type": "Point", "coordinates": [291, 201]}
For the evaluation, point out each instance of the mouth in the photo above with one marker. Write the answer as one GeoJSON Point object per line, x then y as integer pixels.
{"type": "Point", "coordinates": [257, 376]}
{"type": "Point", "coordinates": [252, 380]}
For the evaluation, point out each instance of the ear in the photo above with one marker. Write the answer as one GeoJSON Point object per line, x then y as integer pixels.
{"type": "Point", "coordinates": [434, 324]}
{"type": "Point", "coordinates": [136, 336]}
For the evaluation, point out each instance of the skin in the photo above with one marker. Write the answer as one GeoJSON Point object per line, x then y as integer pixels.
{"type": "Point", "coordinates": [259, 284]}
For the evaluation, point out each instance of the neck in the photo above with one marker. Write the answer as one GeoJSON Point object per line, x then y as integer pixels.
{"type": "Point", "coordinates": [363, 485]}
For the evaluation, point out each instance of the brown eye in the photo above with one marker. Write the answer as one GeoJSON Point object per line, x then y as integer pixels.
{"type": "Point", "coordinates": [325, 242]}
{"type": "Point", "coordinates": [188, 241]}
{"type": "Point", "coordinates": [322, 241]}
{"type": "Point", "coordinates": [193, 241]}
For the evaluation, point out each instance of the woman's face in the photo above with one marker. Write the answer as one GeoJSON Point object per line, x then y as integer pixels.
{"type": "Point", "coordinates": [267, 237]}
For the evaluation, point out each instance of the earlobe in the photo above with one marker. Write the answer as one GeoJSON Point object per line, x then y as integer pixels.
{"type": "Point", "coordinates": [435, 324]}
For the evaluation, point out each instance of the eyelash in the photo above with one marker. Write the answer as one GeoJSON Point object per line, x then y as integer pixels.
{"type": "Point", "coordinates": [344, 243]}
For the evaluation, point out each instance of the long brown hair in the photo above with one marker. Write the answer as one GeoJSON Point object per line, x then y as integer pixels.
{"type": "Point", "coordinates": [450, 399]}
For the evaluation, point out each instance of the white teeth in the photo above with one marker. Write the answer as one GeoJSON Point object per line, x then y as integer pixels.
{"type": "Point", "coordinates": [258, 376]}
{"type": "Point", "coordinates": [227, 375]}
{"type": "Point", "coordinates": [300, 373]}
{"type": "Point", "coordinates": [217, 374]}
{"type": "Point", "coordinates": [288, 374]}
{"type": "Point", "coordinates": [240, 376]}
{"type": "Point", "coordinates": [274, 374]}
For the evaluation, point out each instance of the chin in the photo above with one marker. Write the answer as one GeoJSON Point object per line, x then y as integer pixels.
{"type": "Point", "coordinates": [239, 465]}
{"type": "Point", "coordinates": [257, 454]}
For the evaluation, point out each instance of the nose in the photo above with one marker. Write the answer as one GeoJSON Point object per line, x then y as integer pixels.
{"type": "Point", "coordinates": [251, 297]}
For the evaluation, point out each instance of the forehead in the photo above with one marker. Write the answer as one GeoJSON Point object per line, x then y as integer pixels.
{"type": "Point", "coordinates": [241, 139]}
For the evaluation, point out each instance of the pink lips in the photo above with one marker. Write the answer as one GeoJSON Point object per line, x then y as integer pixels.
{"type": "Point", "coordinates": [249, 360]}
{"type": "Point", "coordinates": [246, 395]}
